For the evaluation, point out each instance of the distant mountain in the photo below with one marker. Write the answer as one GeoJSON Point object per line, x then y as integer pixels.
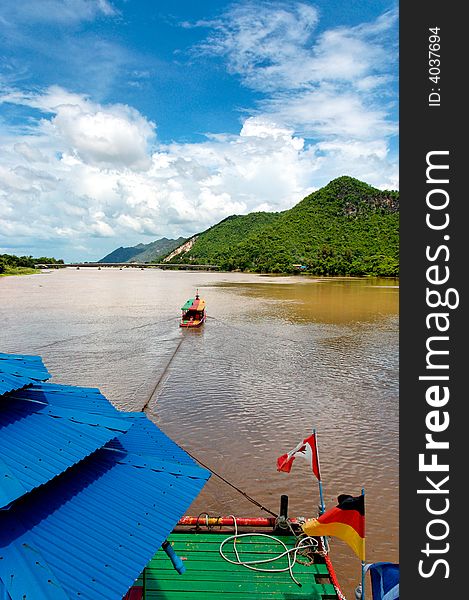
{"type": "Point", "coordinates": [345, 228]}
{"type": "Point", "coordinates": [122, 254]}
{"type": "Point", "coordinates": [152, 252]}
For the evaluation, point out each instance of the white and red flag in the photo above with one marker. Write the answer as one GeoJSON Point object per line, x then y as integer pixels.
{"type": "Point", "coordinates": [308, 450]}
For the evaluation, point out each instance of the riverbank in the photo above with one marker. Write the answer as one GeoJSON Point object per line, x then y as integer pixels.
{"type": "Point", "coordinates": [19, 271]}
{"type": "Point", "coordinates": [10, 264]}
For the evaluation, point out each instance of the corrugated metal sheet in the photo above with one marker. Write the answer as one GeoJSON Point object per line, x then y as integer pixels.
{"type": "Point", "coordinates": [194, 304]}
{"type": "Point", "coordinates": [89, 531]}
{"type": "Point", "coordinates": [4, 595]}
{"type": "Point", "coordinates": [19, 370]}
{"type": "Point", "coordinates": [188, 304]}
{"type": "Point", "coordinates": [39, 441]}
{"type": "Point", "coordinates": [145, 439]}
{"type": "Point", "coordinates": [67, 396]}
{"type": "Point", "coordinates": [95, 526]}
{"type": "Point", "coordinates": [199, 305]}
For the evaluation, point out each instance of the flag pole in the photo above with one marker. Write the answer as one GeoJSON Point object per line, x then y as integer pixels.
{"type": "Point", "coordinates": [363, 561]}
{"type": "Point", "coordinates": [321, 496]}
{"type": "Point", "coordinates": [322, 508]}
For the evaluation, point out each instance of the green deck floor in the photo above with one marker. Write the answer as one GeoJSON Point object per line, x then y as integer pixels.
{"type": "Point", "coordinates": [208, 575]}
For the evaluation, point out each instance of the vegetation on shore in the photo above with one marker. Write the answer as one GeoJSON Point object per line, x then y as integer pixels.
{"type": "Point", "coordinates": [345, 228]}
{"type": "Point", "coordinates": [23, 265]}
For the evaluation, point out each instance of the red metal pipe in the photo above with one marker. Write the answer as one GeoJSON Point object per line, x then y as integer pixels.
{"type": "Point", "coordinates": [228, 521]}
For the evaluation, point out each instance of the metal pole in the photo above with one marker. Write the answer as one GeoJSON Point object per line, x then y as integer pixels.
{"type": "Point", "coordinates": [321, 496]}
{"type": "Point", "coordinates": [281, 523]}
{"type": "Point", "coordinates": [322, 508]}
{"type": "Point", "coordinates": [363, 561]}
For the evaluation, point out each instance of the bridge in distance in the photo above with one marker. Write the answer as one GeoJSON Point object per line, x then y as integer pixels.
{"type": "Point", "coordinates": [129, 266]}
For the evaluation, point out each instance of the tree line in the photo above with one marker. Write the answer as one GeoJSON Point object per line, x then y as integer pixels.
{"type": "Point", "coordinates": [11, 262]}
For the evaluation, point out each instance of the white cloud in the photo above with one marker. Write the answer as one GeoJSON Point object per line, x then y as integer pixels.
{"type": "Point", "coordinates": [265, 43]}
{"type": "Point", "coordinates": [117, 136]}
{"type": "Point", "coordinates": [101, 228]}
{"type": "Point", "coordinates": [104, 138]}
{"type": "Point", "coordinates": [30, 153]}
{"type": "Point", "coordinates": [274, 46]}
{"type": "Point", "coordinates": [324, 113]}
{"type": "Point", "coordinates": [333, 86]}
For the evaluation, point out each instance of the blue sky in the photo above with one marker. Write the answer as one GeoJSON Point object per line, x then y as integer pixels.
{"type": "Point", "coordinates": [123, 121]}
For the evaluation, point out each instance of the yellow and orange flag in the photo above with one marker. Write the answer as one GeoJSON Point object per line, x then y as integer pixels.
{"type": "Point", "coordinates": [345, 521]}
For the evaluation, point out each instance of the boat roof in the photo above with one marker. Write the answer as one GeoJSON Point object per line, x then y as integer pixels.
{"type": "Point", "coordinates": [87, 493]}
{"type": "Point", "coordinates": [18, 371]}
{"type": "Point", "coordinates": [34, 452]}
{"type": "Point", "coordinates": [194, 304]}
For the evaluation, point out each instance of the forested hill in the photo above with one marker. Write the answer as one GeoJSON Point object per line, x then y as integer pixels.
{"type": "Point", "coordinates": [345, 228]}
{"type": "Point", "coordinates": [151, 252]}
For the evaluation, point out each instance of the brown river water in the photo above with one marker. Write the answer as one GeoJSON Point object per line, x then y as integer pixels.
{"type": "Point", "coordinates": [277, 357]}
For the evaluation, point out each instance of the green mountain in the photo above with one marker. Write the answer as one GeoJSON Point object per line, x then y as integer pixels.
{"type": "Point", "coordinates": [345, 228]}
{"type": "Point", "coordinates": [152, 252]}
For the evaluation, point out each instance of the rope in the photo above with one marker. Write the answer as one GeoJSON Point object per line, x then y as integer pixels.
{"type": "Point", "coordinates": [94, 333]}
{"type": "Point", "coordinates": [303, 543]}
{"type": "Point", "coordinates": [247, 496]}
{"type": "Point", "coordinates": [145, 406]}
{"type": "Point", "coordinates": [333, 576]}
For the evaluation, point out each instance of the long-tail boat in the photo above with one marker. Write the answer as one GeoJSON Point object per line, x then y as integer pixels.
{"type": "Point", "coordinates": [193, 312]}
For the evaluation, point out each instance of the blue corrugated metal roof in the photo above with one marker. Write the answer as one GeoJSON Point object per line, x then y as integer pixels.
{"type": "Point", "coordinates": [145, 439]}
{"type": "Point", "coordinates": [4, 595]}
{"type": "Point", "coordinates": [95, 526]}
{"type": "Point", "coordinates": [39, 441]}
{"type": "Point", "coordinates": [19, 370]}
{"type": "Point", "coordinates": [90, 530]}
{"type": "Point", "coordinates": [68, 396]}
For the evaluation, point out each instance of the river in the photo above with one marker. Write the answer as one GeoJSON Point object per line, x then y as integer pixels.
{"type": "Point", "coordinates": [276, 357]}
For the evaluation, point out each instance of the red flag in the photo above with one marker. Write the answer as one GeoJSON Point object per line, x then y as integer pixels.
{"type": "Point", "coordinates": [308, 450]}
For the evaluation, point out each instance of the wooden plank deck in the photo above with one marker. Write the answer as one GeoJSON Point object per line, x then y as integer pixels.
{"type": "Point", "coordinates": [208, 575]}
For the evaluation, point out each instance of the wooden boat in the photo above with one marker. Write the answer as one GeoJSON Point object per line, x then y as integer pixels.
{"type": "Point", "coordinates": [193, 312]}
{"type": "Point", "coordinates": [210, 556]}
